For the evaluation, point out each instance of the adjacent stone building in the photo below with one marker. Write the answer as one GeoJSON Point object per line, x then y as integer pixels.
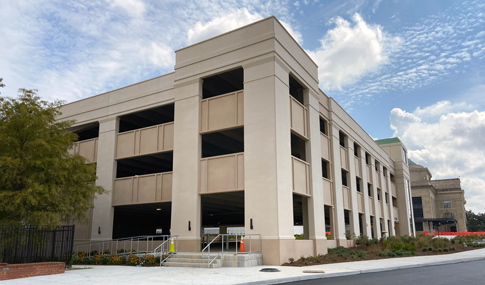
{"type": "Point", "coordinates": [440, 202]}
{"type": "Point", "coordinates": [239, 135]}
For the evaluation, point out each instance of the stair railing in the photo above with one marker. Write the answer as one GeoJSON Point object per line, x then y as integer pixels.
{"type": "Point", "coordinates": [164, 247]}
{"type": "Point", "coordinates": [208, 247]}
{"type": "Point", "coordinates": [226, 236]}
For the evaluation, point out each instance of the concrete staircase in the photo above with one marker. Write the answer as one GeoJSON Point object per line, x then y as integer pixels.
{"type": "Point", "coordinates": [192, 259]}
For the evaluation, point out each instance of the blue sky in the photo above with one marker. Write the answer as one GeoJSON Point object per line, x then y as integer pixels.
{"type": "Point", "coordinates": [413, 69]}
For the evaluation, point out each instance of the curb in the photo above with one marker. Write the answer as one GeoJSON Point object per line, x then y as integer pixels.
{"type": "Point", "coordinates": [340, 274]}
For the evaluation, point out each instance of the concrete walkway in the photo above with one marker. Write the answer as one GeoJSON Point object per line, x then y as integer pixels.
{"type": "Point", "coordinates": [251, 275]}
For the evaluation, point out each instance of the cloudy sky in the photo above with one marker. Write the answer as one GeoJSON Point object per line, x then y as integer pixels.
{"type": "Point", "coordinates": [407, 68]}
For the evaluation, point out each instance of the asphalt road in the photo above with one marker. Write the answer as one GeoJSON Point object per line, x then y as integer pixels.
{"type": "Point", "coordinates": [467, 273]}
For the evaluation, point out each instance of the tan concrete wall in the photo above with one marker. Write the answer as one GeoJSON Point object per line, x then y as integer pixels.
{"type": "Point", "coordinates": [150, 188]}
{"type": "Point", "coordinates": [223, 173]}
{"type": "Point", "coordinates": [222, 112]}
{"type": "Point", "coordinates": [145, 141]}
{"type": "Point", "coordinates": [87, 149]}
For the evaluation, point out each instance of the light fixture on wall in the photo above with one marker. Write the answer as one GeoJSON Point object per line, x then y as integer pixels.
{"type": "Point", "coordinates": [99, 230]}
{"type": "Point", "coordinates": [159, 209]}
{"type": "Point", "coordinates": [251, 224]}
{"type": "Point", "coordinates": [189, 227]}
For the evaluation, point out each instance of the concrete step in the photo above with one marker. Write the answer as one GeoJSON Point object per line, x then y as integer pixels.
{"type": "Point", "coordinates": [193, 265]}
{"type": "Point", "coordinates": [189, 260]}
{"type": "Point", "coordinates": [192, 256]}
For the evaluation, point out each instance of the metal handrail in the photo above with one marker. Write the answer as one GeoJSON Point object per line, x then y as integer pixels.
{"type": "Point", "coordinates": [100, 245]}
{"type": "Point", "coordinates": [209, 261]}
{"type": "Point", "coordinates": [161, 247]}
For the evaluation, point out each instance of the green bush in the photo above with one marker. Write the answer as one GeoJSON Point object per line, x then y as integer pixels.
{"type": "Point", "coordinates": [445, 250]}
{"type": "Point", "coordinates": [425, 249]}
{"type": "Point", "coordinates": [410, 247]}
{"type": "Point", "coordinates": [440, 250]}
{"type": "Point", "coordinates": [430, 249]}
{"type": "Point", "coordinates": [398, 246]}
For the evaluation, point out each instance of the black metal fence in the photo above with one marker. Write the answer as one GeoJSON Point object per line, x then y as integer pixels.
{"type": "Point", "coordinates": [25, 244]}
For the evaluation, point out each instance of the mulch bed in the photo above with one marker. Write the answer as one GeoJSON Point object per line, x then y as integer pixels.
{"type": "Point", "coordinates": [333, 258]}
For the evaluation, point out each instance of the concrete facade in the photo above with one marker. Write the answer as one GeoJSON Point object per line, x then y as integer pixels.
{"type": "Point", "coordinates": [239, 135]}
{"type": "Point", "coordinates": [442, 198]}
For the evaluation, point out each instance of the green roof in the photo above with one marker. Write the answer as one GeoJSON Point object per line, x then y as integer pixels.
{"type": "Point", "coordinates": [411, 162]}
{"type": "Point", "coordinates": [388, 141]}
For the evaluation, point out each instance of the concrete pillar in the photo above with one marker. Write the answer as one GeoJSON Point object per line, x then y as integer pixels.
{"type": "Point", "coordinates": [354, 219]}
{"type": "Point", "coordinates": [377, 226]}
{"type": "Point", "coordinates": [103, 212]}
{"type": "Point", "coordinates": [385, 180]}
{"type": "Point", "coordinates": [337, 182]}
{"type": "Point", "coordinates": [316, 211]}
{"type": "Point", "coordinates": [366, 222]}
{"type": "Point", "coordinates": [391, 230]}
{"type": "Point", "coordinates": [268, 195]}
{"type": "Point", "coordinates": [186, 156]}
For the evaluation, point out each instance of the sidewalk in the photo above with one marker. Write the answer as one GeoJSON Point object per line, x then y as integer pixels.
{"type": "Point", "coordinates": [251, 275]}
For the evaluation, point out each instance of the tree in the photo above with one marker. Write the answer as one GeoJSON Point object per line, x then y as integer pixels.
{"type": "Point", "coordinates": [475, 222]}
{"type": "Point", "coordinates": [40, 182]}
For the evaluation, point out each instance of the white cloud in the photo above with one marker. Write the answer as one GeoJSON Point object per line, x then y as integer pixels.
{"type": "Point", "coordinates": [349, 52]}
{"type": "Point", "coordinates": [135, 8]}
{"type": "Point", "coordinates": [441, 108]}
{"type": "Point", "coordinates": [202, 31]}
{"type": "Point", "coordinates": [450, 146]}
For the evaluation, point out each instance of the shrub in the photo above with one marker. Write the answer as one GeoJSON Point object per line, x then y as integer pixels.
{"type": "Point", "coordinates": [430, 249]}
{"type": "Point", "coordinates": [425, 249]}
{"type": "Point", "coordinates": [116, 260]}
{"type": "Point", "coordinates": [133, 260]}
{"type": "Point", "coordinates": [410, 247]}
{"type": "Point", "coordinates": [446, 250]}
{"type": "Point", "coordinates": [398, 246]}
{"type": "Point", "coordinates": [440, 250]}
{"type": "Point", "coordinates": [362, 240]}
{"type": "Point", "coordinates": [149, 260]}
{"type": "Point", "coordinates": [291, 260]}
{"type": "Point", "coordinates": [361, 254]}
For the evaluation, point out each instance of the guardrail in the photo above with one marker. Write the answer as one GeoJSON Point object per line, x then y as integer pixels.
{"type": "Point", "coordinates": [225, 238]}
{"type": "Point", "coordinates": [119, 246]}
{"type": "Point", "coordinates": [165, 248]}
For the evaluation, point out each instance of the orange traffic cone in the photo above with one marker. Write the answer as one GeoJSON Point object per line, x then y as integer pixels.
{"type": "Point", "coordinates": [242, 249]}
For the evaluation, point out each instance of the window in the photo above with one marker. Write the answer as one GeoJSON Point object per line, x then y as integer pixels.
{"type": "Point", "coordinates": [369, 189]}
{"type": "Point", "coordinates": [404, 156]}
{"type": "Point", "coordinates": [447, 204]}
{"type": "Point", "coordinates": [359, 184]}
{"type": "Point", "coordinates": [378, 166]}
{"type": "Point", "coordinates": [387, 198]}
{"type": "Point", "coordinates": [323, 126]}
{"type": "Point", "coordinates": [418, 226]}
{"type": "Point", "coordinates": [325, 169]}
{"type": "Point", "coordinates": [393, 179]}
{"type": "Point", "coordinates": [384, 170]}
{"type": "Point", "coordinates": [418, 207]}
{"type": "Point", "coordinates": [342, 138]}
{"type": "Point", "coordinates": [356, 150]}
{"type": "Point", "coordinates": [345, 178]}
{"type": "Point", "coordinates": [367, 158]}
{"type": "Point", "coordinates": [379, 194]}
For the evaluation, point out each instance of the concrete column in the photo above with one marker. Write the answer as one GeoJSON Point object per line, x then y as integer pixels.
{"type": "Point", "coordinates": [391, 231]}
{"type": "Point", "coordinates": [268, 195]}
{"type": "Point", "coordinates": [337, 182]}
{"type": "Point", "coordinates": [385, 180]}
{"type": "Point", "coordinates": [186, 156]}
{"type": "Point", "coordinates": [366, 225]}
{"type": "Point", "coordinates": [316, 211]}
{"type": "Point", "coordinates": [377, 226]}
{"type": "Point", "coordinates": [354, 219]}
{"type": "Point", "coordinates": [103, 212]}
